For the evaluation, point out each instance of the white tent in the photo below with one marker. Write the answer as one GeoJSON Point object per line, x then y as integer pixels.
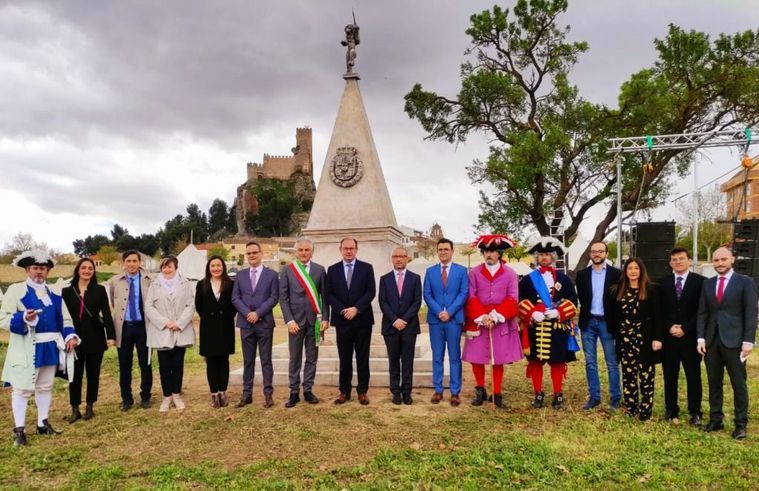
{"type": "Point", "coordinates": [192, 263]}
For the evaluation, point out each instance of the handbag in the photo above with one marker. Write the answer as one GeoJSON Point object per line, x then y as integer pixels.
{"type": "Point", "coordinates": [572, 341]}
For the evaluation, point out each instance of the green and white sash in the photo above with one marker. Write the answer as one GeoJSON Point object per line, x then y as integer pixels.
{"type": "Point", "coordinates": [305, 280]}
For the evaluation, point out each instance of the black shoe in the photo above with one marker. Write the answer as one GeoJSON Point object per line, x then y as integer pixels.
{"type": "Point", "coordinates": [145, 403]}
{"type": "Point", "coordinates": [88, 412]}
{"type": "Point", "coordinates": [537, 403]}
{"type": "Point", "coordinates": [397, 400]}
{"type": "Point", "coordinates": [499, 401]}
{"type": "Point", "coordinates": [695, 420]}
{"type": "Point", "coordinates": [644, 417]}
{"type": "Point", "coordinates": [245, 401]}
{"type": "Point", "coordinates": [46, 429]}
{"type": "Point", "coordinates": [293, 400]}
{"type": "Point", "coordinates": [75, 415]}
{"type": "Point", "coordinates": [714, 426]}
{"type": "Point", "coordinates": [310, 398]}
{"type": "Point", "coordinates": [19, 436]}
{"type": "Point", "coordinates": [670, 415]}
{"type": "Point", "coordinates": [126, 405]}
{"type": "Point", "coordinates": [407, 400]}
{"type": "Point", "coordinates": [558, 401]}
{"type": "Point", "coordinates": [591, 403]}
{"type": "Point", "coordinates": [739, 433]}
{"type": "Point", "coordinates": [480, 396]}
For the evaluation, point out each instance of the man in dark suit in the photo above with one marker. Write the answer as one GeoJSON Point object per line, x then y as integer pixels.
{"type": "Point", "coordinates": [680, 295]}
{"type": "Point", "coordinates": [350, 291]}
{"type": "Point", "coordinates": [301, 286]}
{"type": "Point", "coordinates": [254, 295]}
{"type": "Point", "coordinates": [726, 331]}
{"type": "Point", "coordinates": [400, 298]}
{"type": "Point", "coordinates": [596, 321]}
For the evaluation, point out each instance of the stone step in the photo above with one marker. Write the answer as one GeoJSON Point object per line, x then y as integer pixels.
{"type": "Point", "coordinates": [330, 338]}
{"type": "Point", "coordinates": [330, 351]}
{"type": "Point", "coordinates": [331, 378]}
{"type": "Point", "coordinates": [333, 364]}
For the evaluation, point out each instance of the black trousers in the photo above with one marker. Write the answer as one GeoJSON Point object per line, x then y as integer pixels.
{"type": "Point", "coordinates": [171, 368]}
{"type": "Point", "coordinates": [400, 358]}
{"type": "Point", "coordinates": [681, 351]}
{"type": "Point", "coordinates": [217, 372]}
{"type": "Point", "coordinates": [89, 362]}
{"type": "Point", "coordinates": [718, 358]}
{"type": "Point", "coordinates": [349, 340]}
{"type": "Point", "coordinates": [133, 336]}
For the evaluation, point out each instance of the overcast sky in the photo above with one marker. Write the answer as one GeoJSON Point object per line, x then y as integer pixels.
{"type": "Point", "coordinates": [125, 112]}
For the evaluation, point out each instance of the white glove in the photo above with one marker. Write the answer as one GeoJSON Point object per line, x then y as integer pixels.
{"type": "Point", "coordinates": [538, 316]}
{"type": "Point", "coordinates": [552, 314]}
{"type": "Point", "coordinates": [471, 334]}
{"type": "Point", "coordinates": [497, 318]}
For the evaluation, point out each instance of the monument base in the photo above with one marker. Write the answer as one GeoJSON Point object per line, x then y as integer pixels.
{"type": "Point", "coordinates": [375, 245]}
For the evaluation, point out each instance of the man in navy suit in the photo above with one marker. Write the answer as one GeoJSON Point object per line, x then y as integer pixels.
{"type": "Point", "coordinates": [254, 295]}
{"type": "Point", "coordinates": [400, 298]}
{"type": "Point", "coordinates": [726, 330]}
{"type": "Point", "coordinates": [350, 291]}
{"type": "Point", "coordinates": [680, 295]}
{"type": "Point", "coordinates": [446, 287]}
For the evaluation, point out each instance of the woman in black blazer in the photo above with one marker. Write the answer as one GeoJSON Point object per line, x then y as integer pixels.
{"type": "Point", "coordinates": [87, 303]}
{"type": "Point", "coordinates": [639, 332]}
{"type": "Point", "coordinates": [213, 301]}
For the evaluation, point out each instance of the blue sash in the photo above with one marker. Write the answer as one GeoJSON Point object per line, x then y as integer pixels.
{"type": "Point", "coordinates": [540, 286]}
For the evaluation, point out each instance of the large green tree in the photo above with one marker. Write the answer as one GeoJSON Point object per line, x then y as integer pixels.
{"type": "Point", "coordinates": [276, 205]}
{"type": "Point", "coordinates": [548, 162]}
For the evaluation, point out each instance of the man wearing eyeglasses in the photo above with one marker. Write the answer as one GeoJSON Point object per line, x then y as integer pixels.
{"type": "Point", "coordinates": [254, 295]}
{"type": "Point", "coordinates": [596, 309]}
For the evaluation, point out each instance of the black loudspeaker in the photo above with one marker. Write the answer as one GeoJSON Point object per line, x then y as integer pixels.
{"type": "Point", "coordinates": [746, 230]}
{"type": "Point", "coordinates": [748, 267]}
{"type": "Point", "coordinates": [746, 249]}
{"type": "Point", "coordinates": [654, 232]}
{"type": "Point", "coordinates": [651, 251]}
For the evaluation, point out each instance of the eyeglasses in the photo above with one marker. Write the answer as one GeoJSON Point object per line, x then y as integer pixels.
{"type": "Point", "coordinates": [398, 257]}
{"type": "Point", "coordinates": [597, 251]}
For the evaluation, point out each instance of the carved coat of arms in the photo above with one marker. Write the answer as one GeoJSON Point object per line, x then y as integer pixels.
{"type": "Point", "coordinates": [346, 169]}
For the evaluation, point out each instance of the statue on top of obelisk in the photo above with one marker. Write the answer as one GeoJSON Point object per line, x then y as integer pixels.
{"type": "Point", "coordinates": [351, 41]}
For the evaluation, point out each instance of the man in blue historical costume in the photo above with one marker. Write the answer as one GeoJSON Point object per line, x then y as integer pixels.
{"type": "Point", "coordinates": [547, 304]}
{"type": "Point", "coordinates": [42, 338]}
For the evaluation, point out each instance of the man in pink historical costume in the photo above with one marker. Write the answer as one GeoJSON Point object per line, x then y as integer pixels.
{"type": "Point", "coordinates": [491, 328]}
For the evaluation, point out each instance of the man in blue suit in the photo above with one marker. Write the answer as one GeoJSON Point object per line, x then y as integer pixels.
{"type": "Point", "coordinates": [350, 291]}
{"type": "Point", "coordinates": [400, 298]}
{"type": "Point", "coordinates": [254, 295]}
{"type": "Point", "coordinates": [445, 293]}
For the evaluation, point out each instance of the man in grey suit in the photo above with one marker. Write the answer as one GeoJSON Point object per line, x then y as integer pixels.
{"type": "Point", "coordinates": [727, 315]}
{"type": "Point", "coordinates": [301, 286]}
{"type": "Point", "coordinates": [254, 295]}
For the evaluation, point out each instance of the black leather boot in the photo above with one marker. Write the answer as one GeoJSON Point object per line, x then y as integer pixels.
{"type": "Point", "coordinates": [88, 412]}
{"type": "Point", "coordinates": [19, 436]}
{"type": "Point", "coordinates": [46, 429]}
{"type": "Point", "coordinates": [75, 415]}
{"type": "Point", "coordinates": [558, 401]}
{"type": "Point", "coordinates": [499, 401]}
{"type": "Point", "coordinates": [480, 396]}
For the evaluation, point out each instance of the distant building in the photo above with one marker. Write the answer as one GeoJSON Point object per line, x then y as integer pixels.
{"type": "Point", "coordinates": [742, 194]}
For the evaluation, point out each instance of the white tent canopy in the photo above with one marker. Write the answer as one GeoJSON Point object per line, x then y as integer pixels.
{"type": "Point", "coordinates": [192, 263]}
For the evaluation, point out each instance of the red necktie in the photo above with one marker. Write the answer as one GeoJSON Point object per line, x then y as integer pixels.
{"type": "Point", "coordinates": [445, 275]}
{"type": "Point", "coordinates": [721, 289]}
{"type": "Point", "coordinates": [546, 269]}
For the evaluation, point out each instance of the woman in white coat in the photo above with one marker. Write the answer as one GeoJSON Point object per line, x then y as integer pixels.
{"type": "Point", "coordinates": [169, 308]}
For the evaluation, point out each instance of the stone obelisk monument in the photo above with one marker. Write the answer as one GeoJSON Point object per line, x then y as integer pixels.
{"type": "Point", "coordinates": [351, 198]}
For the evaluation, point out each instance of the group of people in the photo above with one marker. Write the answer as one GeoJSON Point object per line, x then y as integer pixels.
{"type": "Point", "coordinates": [502, 319]}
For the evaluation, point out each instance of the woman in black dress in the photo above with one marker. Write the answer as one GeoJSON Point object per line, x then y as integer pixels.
{"type": "Point", "coordinates": [213, 301]}
{"type": "Point", "coordinates": [639, 335]}
{"type": "Point", "coordinates": [87, 303]}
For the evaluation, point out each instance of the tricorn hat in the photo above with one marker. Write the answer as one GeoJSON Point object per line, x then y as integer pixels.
{"type": "Point", "coordinates": [494, 242]}
{"type": "Point", "coordinates": [32, 257]}
{"type": "Point", "coordinates": [548, 244]}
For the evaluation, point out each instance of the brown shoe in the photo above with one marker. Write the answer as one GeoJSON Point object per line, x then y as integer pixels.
{"type": "Point", "coordinates": [245, 401]}
{"type": "Point", "coordinates": [342, 399]}
{"type": "Point", "coordinates": [269, 401]}
{"type": "Point", "coordinates": [436, 398]}
{"type": "Point", "coordinates": [455, 400]}
{"type": "Point", "coordinates": [363, 400]}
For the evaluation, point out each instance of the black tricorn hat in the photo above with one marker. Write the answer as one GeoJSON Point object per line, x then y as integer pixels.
{"type": "Point", "coordinates": [548, 244]}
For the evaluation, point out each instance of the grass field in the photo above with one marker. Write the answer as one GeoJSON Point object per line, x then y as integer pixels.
{"type": "Point", "coordinates": [380, 446]}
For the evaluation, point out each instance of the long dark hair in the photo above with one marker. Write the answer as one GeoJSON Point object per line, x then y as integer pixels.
{"type": "Point", "coordinates": [226, 281]}
{"type": "Point", "coordinates": [75, 279]}
{"type": "Point", "coordinates": [643, 281]}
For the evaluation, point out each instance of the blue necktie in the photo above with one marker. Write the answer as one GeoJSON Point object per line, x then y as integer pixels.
{"type": "Point", "coordinates": [679, 286]}
{"type": "Point", "coordinates": [134, 312]}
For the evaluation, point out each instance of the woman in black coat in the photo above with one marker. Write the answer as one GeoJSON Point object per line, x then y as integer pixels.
{"type": "Point", "coordinates": [639, 333]}
{"type": "Point", "coordinates": [213, 301]}
{"type": "Point", "coordinates": [87, 303]}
